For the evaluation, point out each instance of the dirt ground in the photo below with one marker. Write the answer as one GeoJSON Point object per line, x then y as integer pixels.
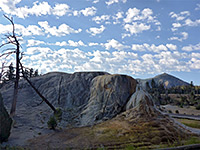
{"type": "Point", "coordinates": [190, 110]}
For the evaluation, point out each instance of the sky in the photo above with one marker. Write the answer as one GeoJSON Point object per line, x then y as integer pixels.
{"type": "Point", "coordinates": [140, 38]}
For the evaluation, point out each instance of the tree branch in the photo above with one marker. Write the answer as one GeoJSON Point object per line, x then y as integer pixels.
{"type": "Point", "coordinates": [36, 90]}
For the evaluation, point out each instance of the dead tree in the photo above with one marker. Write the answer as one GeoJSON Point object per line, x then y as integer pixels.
{"type": "Point", "coordinates": [36, 90]}
{"type": "Point", "coordinates": [12, 39]}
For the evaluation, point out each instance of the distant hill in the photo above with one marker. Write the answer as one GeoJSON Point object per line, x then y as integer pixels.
{"type": "Point", "coordinates": [166, 79]}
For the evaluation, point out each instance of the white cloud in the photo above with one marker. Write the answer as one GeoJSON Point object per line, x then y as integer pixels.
{"type": "Point", "coordinates": [21, 30]}
{"type": "Point", "coordinates": [191, 47]}
{"type": "Point", "coordinates": [71, 60]}
{"type": "Point", "coordinates": [69, 43]}
{"type": "Point", "coordinates": [114, 44]}
{"type": "Point", "coordinates": [198, 7]}
{"type": "Point", "coordinates": [89, 11]}
{"type": "Point", "coordinates": [34, 50]}
{"type": "Point", "coordinates": [176, 26]}
{"type": "Point", "coordinates": [63, 43]}
{"type": "Point", "coordinates": [195, 55]}
{"type": "Point", "coordinates": [137, 21]}
{"type": "Point", "coordinates": [194, 63]}
{"type": "Point", "coordinates": [110, 2]}
{"type": "Point", "coordinates": [131, 13]}
{"type": "Point", "coordinates": [62, 30]}
{"type": "Point", "coordinates": [191, 23]}
{"type": "Point", "coordinates": [100, 19]}
{"type": "Point", "coordinates": [94, 31]}
{"type": "Point", "coordinates": [118, 16]}
{"type": "Point", "coordinates": [113, 62]}
{"type": "Point", "coordinates": [93, 44]}
{"type": "Point", "coordinates": [136, 27]}
{"type": "Point", "coordinates": [38, 9]}
{"type": "Point", "coordinates": [134, 14]}
{"type": "Point", "coordinates": [76, 44]}
{"type": "Point", "coordinates": [184, 37]}
{"type": "Point", "coordinates": [181, 16]}
{"type": "Point", "coordinates": [153, 48]}
{"type": "Point", "coordinates": [95, 1]}
{"type": "Point", "coordinates": [34, 42]}
{"type": "Point", "coordinates": [60, 9]}
{"type": "Point", "coordinates": [171, 46]}
{"type": "Point", "coordinates": [169, 61]}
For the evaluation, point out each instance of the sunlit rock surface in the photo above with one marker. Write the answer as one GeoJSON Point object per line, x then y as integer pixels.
{"type": "Point", "coordinates": [108, 97]}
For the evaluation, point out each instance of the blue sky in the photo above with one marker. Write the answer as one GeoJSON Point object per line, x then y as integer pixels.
{"type": "Point", "coordinates": [141, 38]}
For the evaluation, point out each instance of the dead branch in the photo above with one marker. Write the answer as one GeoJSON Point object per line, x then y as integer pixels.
{"type": "Point", "coordinates": [36, 90]}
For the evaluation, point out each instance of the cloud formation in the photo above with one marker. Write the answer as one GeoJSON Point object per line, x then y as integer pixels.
{"type": "Point", "coordinates": [38, 9]}
{"type": "Point", "coordinates": [61, 30]}
{"type": "Point", "coordinates": [183, 34]}
{"type": "Point", "coordinates": [110, 2]}
{"type": "Point", "coordinates": [137, 21]}
{"type": "Point", "coordinates": [94, 31]}
{"type": "Point", "coordinates": [114, 44]}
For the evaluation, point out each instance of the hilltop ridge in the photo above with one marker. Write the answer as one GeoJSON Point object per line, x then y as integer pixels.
{"type": "Point", "coordinates": [166, 79]}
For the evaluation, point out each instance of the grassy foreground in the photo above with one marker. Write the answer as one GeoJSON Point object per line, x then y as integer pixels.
{"type": "Point", "coordinates": [190, 123]}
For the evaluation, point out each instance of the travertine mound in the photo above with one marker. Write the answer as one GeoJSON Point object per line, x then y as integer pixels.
{"type": "Point", "coordinates": [141, 126]}
{"type": "Point", "coordinates": [88, 98]}
{"type": "Point", "coordinates": [108, 97]}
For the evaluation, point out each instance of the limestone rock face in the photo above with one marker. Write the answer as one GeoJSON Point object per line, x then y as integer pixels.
{"type": "Point", "coordinates": [5, 122]}
{"type": "Point", "coordinates": [108, 97]}
{"type": "Point", "coordinates": [141, 106]}
{"type": "Point", "coordinates": [70, 92]}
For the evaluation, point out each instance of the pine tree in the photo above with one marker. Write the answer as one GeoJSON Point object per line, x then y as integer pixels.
{"type": "Point", "coordinates": [10, 74]}
{"type": "Point", "coordinates": [31, 73]}
{"type": "Point", "coordinates": [36, 73]}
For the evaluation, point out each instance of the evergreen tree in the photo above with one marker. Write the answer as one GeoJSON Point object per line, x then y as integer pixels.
{"type": "Point", "coordinates": [31, 73]}
{"type": "Point", "coordinates": [153, 84]}
{"type": "Point", "coordinates": [10, 74]}
{"type": "Point", "coordinates": [36, 73]}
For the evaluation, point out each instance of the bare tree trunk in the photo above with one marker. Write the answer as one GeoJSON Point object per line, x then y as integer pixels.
{"type": "Point", "coordinates": [12, 39]}
{"type": "Point", "coordinates": [15, 93]}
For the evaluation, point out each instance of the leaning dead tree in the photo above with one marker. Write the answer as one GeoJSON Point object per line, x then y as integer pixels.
{"type": "Point", "coordinates": [13, 39]}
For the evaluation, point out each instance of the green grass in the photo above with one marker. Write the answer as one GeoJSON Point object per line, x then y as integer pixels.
{"type": "Point", "coordinates": [190, 140]}
{"type": "Point", "coordinates": [190, 123]}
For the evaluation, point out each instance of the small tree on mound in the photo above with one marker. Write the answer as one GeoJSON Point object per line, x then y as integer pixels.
{"type": "Point", "coordinates": [52, 123]}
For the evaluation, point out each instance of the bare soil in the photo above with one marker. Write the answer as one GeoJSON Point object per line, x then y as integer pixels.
{"type": "Point", "coordinates": [189, 110]}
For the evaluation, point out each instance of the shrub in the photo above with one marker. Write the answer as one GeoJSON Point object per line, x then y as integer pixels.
{"type": "Point", "coordinates": [58, 114]}
{"type": "Point", "coordinates": [198, 107]}
{"type": "Point", "coordinates": [170, 111]}
{"type": "Point", "coordinates": [177, 112]}
{"type": "Point", "coordinates": [52, 123]}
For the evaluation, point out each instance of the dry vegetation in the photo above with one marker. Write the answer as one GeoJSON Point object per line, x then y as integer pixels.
{"type": "Point", "coordinates": [189, 110]}
{"type": "Point", "coordinates": [122, 132]}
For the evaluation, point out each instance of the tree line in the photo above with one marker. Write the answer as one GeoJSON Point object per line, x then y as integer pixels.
{"type": "Point", "coordinates": [186, 95]}
{"type": "Point", "coordinates": [10, 74]}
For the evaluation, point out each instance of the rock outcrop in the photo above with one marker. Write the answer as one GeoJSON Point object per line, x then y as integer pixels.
{"type": "Point", "coordinates": [108, 97]}
{"type": "Point", "coordinates": [5, 122]}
